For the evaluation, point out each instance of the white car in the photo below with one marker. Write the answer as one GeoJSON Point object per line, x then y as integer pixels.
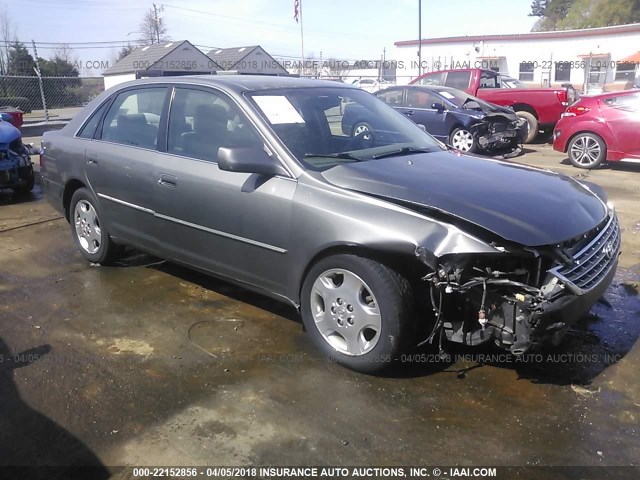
{"type": "Point", "coordinates": [369, 84]}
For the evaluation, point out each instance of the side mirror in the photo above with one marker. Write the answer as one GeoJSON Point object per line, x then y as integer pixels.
{"type": "Point", "coordinates": [438, 106]}
{"type": "Point", "coordinates": [248, 160]}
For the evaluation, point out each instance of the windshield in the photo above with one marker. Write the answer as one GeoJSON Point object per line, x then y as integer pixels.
{"type": "Point", "coordinates": [463, 100]}
{"type": "Point", "coordinates": [325, 126]}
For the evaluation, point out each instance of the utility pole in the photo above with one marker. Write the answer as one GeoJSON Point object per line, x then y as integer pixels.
{"type": "Point", "coordinates": [419, 37]}
{"type": "Point", "coordinates": [157, 20]}
{"type": "Point", "coordinates": [39, 75]}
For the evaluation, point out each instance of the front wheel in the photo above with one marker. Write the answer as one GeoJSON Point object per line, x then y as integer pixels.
{"type": "Point", "coordinates": [357, 311]}
{"type": "Point", "coordinates": [587, 150]}
{"type": "Point", "coordinates": [89, 232]}
{"type": "Point", "coordinates": [27, 186]}
{"type": "Point", "coordinates": [461, 139]}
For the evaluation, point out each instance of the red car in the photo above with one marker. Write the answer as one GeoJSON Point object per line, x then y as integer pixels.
{"type": "Point", "coordinates": [601, 128]}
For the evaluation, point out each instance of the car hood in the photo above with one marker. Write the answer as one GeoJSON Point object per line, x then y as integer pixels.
{"type": "Point", "coordinates": [522, 204]}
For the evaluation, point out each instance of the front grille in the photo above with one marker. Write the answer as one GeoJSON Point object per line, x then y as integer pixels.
{"type": "Point", "coordinates": [594, 261]}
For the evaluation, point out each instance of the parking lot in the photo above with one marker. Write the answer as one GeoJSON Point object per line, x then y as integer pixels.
{"type": "Point", "coordinates": [148, 363]}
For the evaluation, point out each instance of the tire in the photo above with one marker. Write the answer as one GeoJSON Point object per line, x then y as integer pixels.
{"type": "Point", "coordinates": [462, 139]}
{"type": "Point", "coordinates": [27, 187]}
{"type": "Point", "coordinates": [533, 125]}
{"type": "Point", "coordinates": [357, 311]}
{"type": "Point", "coordinates": [360, 127]}
{"type": "Point", "coordinates": [587, 150]}
{"type": "Point", "coordinates": [89, 233]}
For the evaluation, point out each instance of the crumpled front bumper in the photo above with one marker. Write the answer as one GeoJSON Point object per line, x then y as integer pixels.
{"type": "Point", "coordinates": [15, 169]}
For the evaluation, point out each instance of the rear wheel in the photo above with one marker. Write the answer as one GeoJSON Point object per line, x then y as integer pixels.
{"type": "Point", "coordinates": [587, 150]}
{"type": "Point", "coordinates": [357, 311]}
{"type": "Point", "coordinates": [462, 139]}
{"type": "Point", "coordinates": [89, 232]}
{"type": "Point", "coordinates": [533, 125]}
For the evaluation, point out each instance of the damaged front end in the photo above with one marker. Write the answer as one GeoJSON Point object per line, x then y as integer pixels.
{"type": "Point", "coordinates": [521, 297]}
{"type": "Point", "coordinates": [500, 133]}
{"type": "Point", "coordinates": [16, 168]}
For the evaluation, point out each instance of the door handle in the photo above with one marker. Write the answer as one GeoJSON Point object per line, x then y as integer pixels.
{"type": "Point", "coordinates": [409, 113]}
{"type": "Point", "coordinates": [92, 159]}
{"type": "Point", "coordinates": [168, 180]}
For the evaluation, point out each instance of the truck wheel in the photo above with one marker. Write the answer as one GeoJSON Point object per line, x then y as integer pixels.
{"type": "Point", "coordinates": [357, 311]}
{"type": "Point", "coordinates": [533, 125]}
{"type": "Point", "coordinates": [89, 232]}
{"type": "Point", "coordinates": [587, 150]}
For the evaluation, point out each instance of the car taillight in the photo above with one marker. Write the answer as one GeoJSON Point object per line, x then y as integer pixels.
{"type": "Point", "coordinates": [575, 111]}
{"type": "Point", "coordinates": [562, 96]}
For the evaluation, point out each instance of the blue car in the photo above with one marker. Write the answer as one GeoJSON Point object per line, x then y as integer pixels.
{"type": "Point", "coordinates": [16, 169]}
{"type": "Point", "coordinates": [452, 116]}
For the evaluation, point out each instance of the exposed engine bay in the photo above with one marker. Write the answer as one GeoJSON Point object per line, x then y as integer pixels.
{"type": "Point", "coordinates": [499, 132]}
{"type": "Point", "coordinates": [16, 169]}
{"type": "Point", "coordinates": [523, 297]}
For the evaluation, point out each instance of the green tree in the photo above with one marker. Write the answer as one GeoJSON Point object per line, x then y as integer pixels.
{"type": "Point", "coordinates": [57, 67]}
{"type": "Point", "coordinates": [600, 13]}
{"type": "Point", "coordinates": [20, 61]}
{"type": "Point", "coordinates": [124, 51]}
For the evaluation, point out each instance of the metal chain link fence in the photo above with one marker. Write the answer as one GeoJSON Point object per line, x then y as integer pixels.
{"type": "Point", "coordinates": [48, 99]}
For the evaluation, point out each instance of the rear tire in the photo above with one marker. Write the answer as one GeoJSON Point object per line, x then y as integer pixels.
{"type": "Point", "coordinates": [587, 150]}
{"type": "Point", "coordinates": [357, 311]}
{"type": "Point", "coordinates": [533, 125]}
{"type": "Point", "coordinates": [89, 232]}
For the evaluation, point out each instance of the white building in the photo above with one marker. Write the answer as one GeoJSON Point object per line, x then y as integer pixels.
{"type": "Point", "coordinates": [595, 59]}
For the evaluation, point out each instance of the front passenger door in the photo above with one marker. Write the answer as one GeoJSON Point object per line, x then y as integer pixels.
{"type": "Point", "coordinates": [229, 223]}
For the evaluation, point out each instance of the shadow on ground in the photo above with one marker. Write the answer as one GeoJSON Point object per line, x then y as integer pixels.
{"type": "Point", "coordinates": [33, 446]}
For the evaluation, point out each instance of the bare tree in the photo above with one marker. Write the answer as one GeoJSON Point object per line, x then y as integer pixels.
{"type": "Point", "coordinates": [152, 28]}
{"type": "Point", "coordinates": [7, 37]}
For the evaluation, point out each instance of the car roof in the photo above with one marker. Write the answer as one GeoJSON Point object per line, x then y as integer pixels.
{"type": "Point", "coordinates": [240, 83]}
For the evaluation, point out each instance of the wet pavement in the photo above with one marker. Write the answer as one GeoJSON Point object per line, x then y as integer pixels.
{"type": "Point", "coordinates": [148, 363]}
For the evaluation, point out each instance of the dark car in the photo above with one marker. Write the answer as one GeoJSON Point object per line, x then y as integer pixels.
{"type": "Point", "coordinates": [601, 128]}
{"type": "Point", "coordinates": [452, 116]}
{"type": "Point", "coordinates": [252, 179]}
{"type": "Point", "coordinates": [16, 169]}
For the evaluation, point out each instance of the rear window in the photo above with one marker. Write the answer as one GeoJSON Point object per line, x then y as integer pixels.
{"type": "Point", "coordinates": [459, 80]}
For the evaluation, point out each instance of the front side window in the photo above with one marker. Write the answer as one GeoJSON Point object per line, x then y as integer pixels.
{"type": "Point", "coordinates": [421, 98]}
{"type": "Point", "coordinates": [323, 127]}
{"type": "Point", "coordinates": [134, 117]}
{"type": "Point", "coordinates": [201, 122]}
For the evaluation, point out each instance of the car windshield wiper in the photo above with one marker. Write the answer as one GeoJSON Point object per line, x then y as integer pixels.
{"type": "Point", "coordinates": [341, 155]}
{"type": "Point", "coordinates": [402, 151]}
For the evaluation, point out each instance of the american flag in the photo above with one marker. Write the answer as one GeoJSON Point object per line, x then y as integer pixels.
{"type": "Point", "coordinates": [296, 10]}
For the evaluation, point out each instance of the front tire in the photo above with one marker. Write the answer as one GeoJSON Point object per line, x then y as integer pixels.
{"type": "Point", "coordinates": [461, 139]}
{"type": "Point", "coordinates": [89, 232]}
{"type": "Point", "coordinates": [26, 187]}
{"type": "Point", "coordinates": [587, 150]}
{"type": "Point", "coordinates": [357, 311]}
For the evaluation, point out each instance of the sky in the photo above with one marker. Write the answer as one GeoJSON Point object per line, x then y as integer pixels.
{"type": "Point", "coordinates": [342, 29]}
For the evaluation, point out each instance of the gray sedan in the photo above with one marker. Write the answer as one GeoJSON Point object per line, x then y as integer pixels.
{"type": "Point", "coordinates": [382, 240]}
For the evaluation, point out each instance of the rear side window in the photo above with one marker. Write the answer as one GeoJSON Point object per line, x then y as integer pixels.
{"type": "Point", "coordinates": [625, 102]}
{"type": "Point", "coordinates": [392, 97]}
{"type": "Point", "coordinates": [134, 117]}
{"type": "Point", "coordinates": [89, 128]}
{"type": "Point", "coordinates": [459, 80]}
{"type": "Point", "coordinates": [488, 80]}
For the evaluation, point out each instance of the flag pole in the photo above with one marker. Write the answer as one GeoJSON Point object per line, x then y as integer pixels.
{"type": "Point", "coordinates": [301, 41]}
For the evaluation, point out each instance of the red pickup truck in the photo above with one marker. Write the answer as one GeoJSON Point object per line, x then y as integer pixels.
{"type": "Point", "coordinates": [541, 107]}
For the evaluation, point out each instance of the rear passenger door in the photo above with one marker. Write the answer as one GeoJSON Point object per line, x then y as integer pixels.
{"type": "Point", "coordinates": [119, 162]}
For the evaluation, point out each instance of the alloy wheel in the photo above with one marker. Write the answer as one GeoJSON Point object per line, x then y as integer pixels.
{"type": "Point", "coordinates": [462, 140]}
{"type": "Point", "coordinates": [585, 151]}
{"type": "Point", "coordinates": [87, 227]}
